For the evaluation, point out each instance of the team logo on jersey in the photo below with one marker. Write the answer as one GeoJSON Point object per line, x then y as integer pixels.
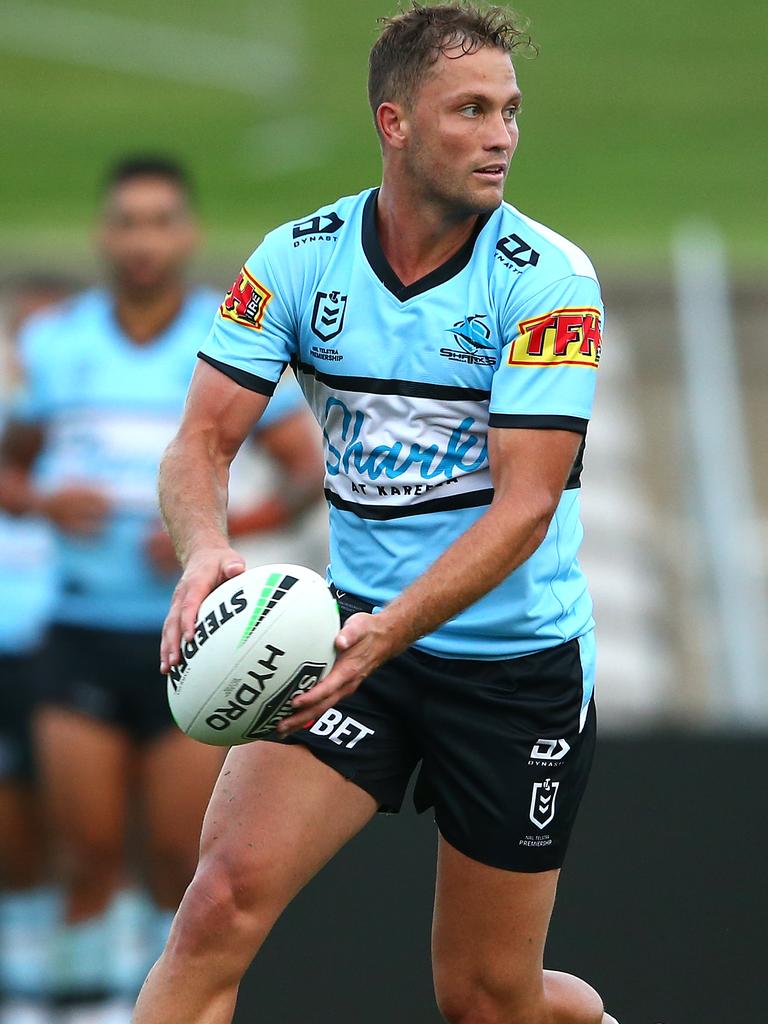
{"type": "Point", "coordinates": [246, 301]}
{"type": "Point", "coordinates": [513, 251]}
{"type": "Point", "coordinates": [328, 315]}
{"type": "Point", "coordinates": [471, 337]}
{"type": "Point", "coordinates": [563, 337]}
{"type": "Point", "coordinates": [543, 799]}
{"type": "Point", "coordinates": [314, 229]}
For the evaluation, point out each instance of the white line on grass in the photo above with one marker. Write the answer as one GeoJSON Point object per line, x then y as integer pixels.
{"type": "Point", "coordinates": [119, 43]}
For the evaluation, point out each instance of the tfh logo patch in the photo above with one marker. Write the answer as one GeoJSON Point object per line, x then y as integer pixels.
{"type": "Point", "coordinates": [328, 315]}
{"type": "Point", "coordinates": [543, 801]}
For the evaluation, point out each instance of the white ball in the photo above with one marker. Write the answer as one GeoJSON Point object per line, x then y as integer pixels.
{"type": "Point", "coordinates": [260, 638]}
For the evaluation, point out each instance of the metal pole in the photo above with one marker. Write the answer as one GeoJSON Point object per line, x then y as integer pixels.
{"type": "Point", "coordinates": [721, 477]}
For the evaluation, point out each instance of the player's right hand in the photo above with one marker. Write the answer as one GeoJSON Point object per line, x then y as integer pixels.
{"type": "Point", "coordinates": [77, 508]}
{"type": "Point", "coordinates": [205, 570]}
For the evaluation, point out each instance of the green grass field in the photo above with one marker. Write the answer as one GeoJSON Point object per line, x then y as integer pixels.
{"type": "Point", "coordinates": [637, 117]}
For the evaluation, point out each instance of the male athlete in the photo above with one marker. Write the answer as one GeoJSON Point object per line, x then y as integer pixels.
{"type": "Point", "coordinates": [448, 347]}
{"type": "Point", "coordinates": [106, 376]}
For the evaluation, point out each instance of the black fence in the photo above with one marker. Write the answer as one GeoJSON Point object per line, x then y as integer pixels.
{"type": "Point", "coordinates": [663, 904]}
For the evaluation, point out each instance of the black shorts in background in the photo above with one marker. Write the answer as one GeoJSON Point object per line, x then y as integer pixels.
{"type": "Point", "coordinates": [504, 747]}
{"type": "Point", "coordinates": [109, 675]}
{"type": "Point", "coordinates": [18, 696]}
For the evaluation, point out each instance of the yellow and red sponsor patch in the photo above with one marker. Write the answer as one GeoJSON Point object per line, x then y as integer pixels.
{"type": "Point", "coordinates": [562, 337]}
{"type": "Point", "coordinates": [246, 301]}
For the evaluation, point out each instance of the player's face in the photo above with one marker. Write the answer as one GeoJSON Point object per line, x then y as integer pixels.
{"type": "Point", "coordinates": [463, 130]}
{"type": "Point", "coordinates": [147, 233]}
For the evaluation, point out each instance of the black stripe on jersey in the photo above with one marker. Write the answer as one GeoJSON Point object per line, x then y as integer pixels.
{"type": "Point", "coordinates": [407, 388]}
{"type": "Point", "coordinates": [382, 269]}
{"type": "Point", "coordinates": [241, 377]}
{"type": "Point", "coordinates": [541, 422]}
{"type": "Point", "coordinates": [573, 423]}
{"type": "Point", "coordinates": [365, 511]}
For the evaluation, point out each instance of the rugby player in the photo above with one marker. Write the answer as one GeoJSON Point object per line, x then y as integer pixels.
{"type": "Point", "coordinates": [106, 375]}
{"type": "Point", "coordinates": [448, 346]}
{"type": "Point", "coordinates": [28, 903]}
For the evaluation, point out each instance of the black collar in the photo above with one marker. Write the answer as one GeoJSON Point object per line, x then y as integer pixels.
{"type": "Point", "coordinates": [381, 268]}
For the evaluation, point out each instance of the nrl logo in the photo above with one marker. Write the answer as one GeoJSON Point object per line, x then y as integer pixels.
{"type": "Point", "coordinates": [328, 315]}
{"type": "Point", "coordinates": [543, 800]}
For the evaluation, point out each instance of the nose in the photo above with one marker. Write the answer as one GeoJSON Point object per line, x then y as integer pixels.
{"type": "Point", "coordinates": [502, 134]}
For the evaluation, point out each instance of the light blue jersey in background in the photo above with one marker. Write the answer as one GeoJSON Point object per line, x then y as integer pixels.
{"type": "Point", "coordinates": [27, 581]}
{"type": "Point", "coordinates": [109, 407]}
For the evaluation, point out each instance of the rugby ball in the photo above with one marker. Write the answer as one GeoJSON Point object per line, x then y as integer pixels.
{"type": "Point", "coordinates": [260, 638]}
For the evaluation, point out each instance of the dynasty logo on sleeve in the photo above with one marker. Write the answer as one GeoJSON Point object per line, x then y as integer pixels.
{"type": "Point", "coordinates": [246, 301]}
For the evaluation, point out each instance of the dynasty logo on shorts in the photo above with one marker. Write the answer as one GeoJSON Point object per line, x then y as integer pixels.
{"type": "Point", "coordinates": [246, 301]}
{"type": "Point", "coordinates": [564, 337]}
{"type": "Point", "coordinates": [543, 800]}
{"type": "Point", "coordinates": [549, 750]}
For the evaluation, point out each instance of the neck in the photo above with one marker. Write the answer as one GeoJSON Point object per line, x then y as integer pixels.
{"type": "Point", "coordinates": [417, 235]}
{"type": "Point", "coordinates": [144, 315]}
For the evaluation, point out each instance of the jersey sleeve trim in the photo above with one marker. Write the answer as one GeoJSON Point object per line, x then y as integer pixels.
{"type": "Point", "coordinates": [246, 380]}
{"type": "Point", "coordinates": [539, 422]}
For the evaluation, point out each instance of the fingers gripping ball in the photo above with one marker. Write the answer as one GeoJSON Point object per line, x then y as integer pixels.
{"type": "Point", "coordinates": [260, 639]}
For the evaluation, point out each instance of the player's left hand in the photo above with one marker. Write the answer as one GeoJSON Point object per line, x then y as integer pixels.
{"type": "Point", "coordinates": [365, 642]}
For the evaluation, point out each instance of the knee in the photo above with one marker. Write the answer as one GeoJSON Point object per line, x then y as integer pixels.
{"type": "Point", "coordinates": [223, 909]}
{"type": "Point", "coordinates": [489, 1001]}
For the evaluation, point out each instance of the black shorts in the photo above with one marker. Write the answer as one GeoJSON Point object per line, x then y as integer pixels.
{"type": "Point", "coordinates": [110, 675]}
{"type": "Point", "coordinates": [505, 746]}
{"type": "Point", "coordinates": [17, 703]}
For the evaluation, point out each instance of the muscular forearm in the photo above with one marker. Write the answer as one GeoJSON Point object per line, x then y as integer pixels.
{"type": "Point", "coordinates": [193, 487]}
{"type": "Point", "coordinates": [478, 561]}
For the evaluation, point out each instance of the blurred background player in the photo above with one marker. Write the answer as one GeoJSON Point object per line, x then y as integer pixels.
{"type": "Point", "coordinates": [105, 378]}
{"type": "Point", "coordinates": [28, 905]}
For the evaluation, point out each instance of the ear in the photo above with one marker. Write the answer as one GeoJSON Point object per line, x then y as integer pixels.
{"type": "Point", "coordinates": [393, 124]}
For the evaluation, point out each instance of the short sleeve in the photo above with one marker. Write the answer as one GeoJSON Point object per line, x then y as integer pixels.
{"type": "Point", "coordinates": [32, 402]}
{"type": "Point", "coordinates": [253, 335]}
{"type": "Point", "coordinates": [548, 368]}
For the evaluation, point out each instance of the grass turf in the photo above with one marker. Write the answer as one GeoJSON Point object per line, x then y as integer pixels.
{"type": "Point", "coordinates": [637, 117]}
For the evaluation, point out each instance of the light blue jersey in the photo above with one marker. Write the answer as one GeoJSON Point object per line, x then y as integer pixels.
{"type": "Point", "coordinates": [109, 407]}
{"type": "Point", "coordinates": [27, 581]}
{"type": "Point", "coordinates": [405, 382]}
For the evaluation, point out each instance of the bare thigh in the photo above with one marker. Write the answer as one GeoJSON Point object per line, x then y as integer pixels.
{"type": "Point", "coordinates": [177, 776]}
{"type": "Point", "coordinates": [85, 772]}
{"type": "Point", "coordinates": [22, 846]}
{"type": "Point", "coordinates": [278, 814]}
{"type": "Point", "coordinates": [489, 928]}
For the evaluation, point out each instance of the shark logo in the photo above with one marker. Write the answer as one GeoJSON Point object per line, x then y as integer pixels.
{"type": "Point", "coordinates": [472, 336]}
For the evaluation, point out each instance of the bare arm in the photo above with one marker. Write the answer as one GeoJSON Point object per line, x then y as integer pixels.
{"type": "Point", "coordinates": [529, 469]}
{"type": "Point", "coordinates": [75, 508]}
{"type": "Point", "coordinates": [194, 477]}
